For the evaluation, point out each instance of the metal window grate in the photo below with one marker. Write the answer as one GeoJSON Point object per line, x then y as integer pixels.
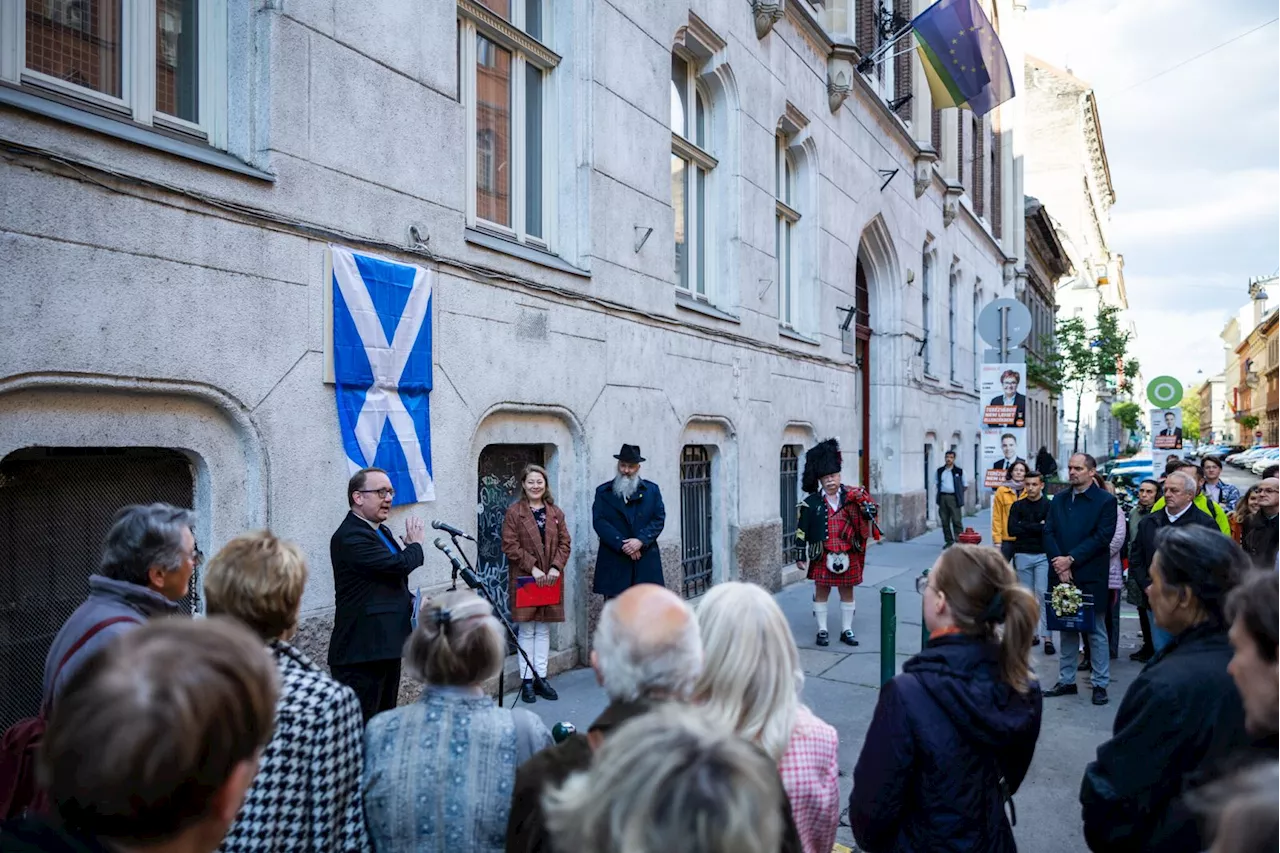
{"type": "Point", "coordinates": [789, 496]}
{"type": "Point", "coordinates": [695, 519]}
{"type": "Point", "coordinates": [56, 506]}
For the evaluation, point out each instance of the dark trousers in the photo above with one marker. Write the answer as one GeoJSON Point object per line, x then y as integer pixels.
{"type": "Point", "coordinates": [376, 683]}
{"type": "Point", "coordinates": [1144, 621]}
{"type": "Point", "coordinates": [950, 513]}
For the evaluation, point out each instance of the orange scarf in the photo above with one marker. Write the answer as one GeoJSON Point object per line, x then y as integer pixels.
{"type": "Point", "coordinates": [945, 632]}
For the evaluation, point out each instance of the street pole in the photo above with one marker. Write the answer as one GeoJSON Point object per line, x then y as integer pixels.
{"type": "Point", "coordinates": [888, 633]}
{"type": "Point", "coordinates": [924, 629]}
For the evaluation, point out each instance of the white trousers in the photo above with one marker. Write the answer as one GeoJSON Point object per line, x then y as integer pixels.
{"type": "Point", "coordinates": [535, 640]}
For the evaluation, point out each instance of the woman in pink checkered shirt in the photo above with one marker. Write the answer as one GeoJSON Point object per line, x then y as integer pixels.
{"type": "Point", "coordinates": [751, 682]}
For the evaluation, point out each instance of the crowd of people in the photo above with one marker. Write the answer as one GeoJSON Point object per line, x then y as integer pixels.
{"type": "Point", "coordinates": [172, 734]}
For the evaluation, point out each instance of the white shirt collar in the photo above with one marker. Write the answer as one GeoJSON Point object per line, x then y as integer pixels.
{"type": "Point", "coordinates": [1172, 518]}
{"type": "Point", "coordinates": [832, 500]}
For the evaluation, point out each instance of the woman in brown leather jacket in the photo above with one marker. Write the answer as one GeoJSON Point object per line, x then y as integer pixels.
{"type": "Point", "coordinates": [536, 541]}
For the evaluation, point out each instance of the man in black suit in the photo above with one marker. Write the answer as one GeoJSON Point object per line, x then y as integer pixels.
{"type": "Point", "coordinates": [371, 589]}
{"type": "Point", "coordinates": [1009, 451]}
{"type": "Point", "coordinates": [1077, 540]}
{"type": "Point", "coordinates": [1171, 430]}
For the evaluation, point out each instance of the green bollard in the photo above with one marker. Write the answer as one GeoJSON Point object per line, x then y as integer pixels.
{"type": "Point", "coordinates": [888, 633]}
{"type": "Point", "coordinates": [924, 629]}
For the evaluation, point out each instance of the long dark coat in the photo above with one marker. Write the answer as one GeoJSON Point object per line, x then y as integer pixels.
{"type": "Point", "coordinates": [945, 732]}
{"type": "Point", "coordinates": [1178, 722]}
{"type": "Point", "coordinates": [643, 518]}
{"type": "Point", "coordinates": [1081, 526]}
{"type": "Point", "coordinates": [526, 550]}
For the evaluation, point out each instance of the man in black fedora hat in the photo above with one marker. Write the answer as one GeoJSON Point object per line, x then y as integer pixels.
{"type": "Point", "coordinates": [628, 516]}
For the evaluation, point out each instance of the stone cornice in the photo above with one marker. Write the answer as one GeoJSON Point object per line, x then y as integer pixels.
{"type": "Point", "coordinates": [1097, 150]}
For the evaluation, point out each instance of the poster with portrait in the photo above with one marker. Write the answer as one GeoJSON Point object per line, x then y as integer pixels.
{"type": "Point", "coordinates": [1001, 448]}
{"type": "Point", "coordinates": [1166, 429]}
{"type": "Point", "coordinates": [1003, 391]}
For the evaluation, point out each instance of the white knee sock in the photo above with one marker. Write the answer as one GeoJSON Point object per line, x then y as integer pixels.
{"type": "Point", "coordinates": [847, 609]}
{"type": "Point", "coordinates": [820, 611]}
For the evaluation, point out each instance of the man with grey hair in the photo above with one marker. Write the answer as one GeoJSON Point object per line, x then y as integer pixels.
{"type": "Point", "coordinates": [147, 562]}
{"type": "Point", "coordinates": [647, 653]}
{"type": "Point", "coordinates": [1180, 489]}
{"type": "Point", "coordinates": [671, 782]}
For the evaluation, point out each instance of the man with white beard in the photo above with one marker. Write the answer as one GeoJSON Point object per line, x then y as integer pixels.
{"type": "Point", "coordinates": [628, 516]}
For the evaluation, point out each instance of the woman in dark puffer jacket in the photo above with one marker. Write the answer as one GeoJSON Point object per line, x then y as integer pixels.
{"type": "Point", "coordinates": [953, 735]}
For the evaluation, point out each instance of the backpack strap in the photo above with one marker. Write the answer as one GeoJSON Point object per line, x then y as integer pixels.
{"type": "Point", "coordinates": [79, 644]}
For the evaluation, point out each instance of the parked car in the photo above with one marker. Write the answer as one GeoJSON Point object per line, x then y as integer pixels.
{"type": "Point", "coordinates": [1265, 461]}
{"type": "Point", "coordinates": [1248, 457]}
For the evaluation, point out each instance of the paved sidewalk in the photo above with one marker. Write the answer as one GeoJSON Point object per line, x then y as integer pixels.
{"type": "Point", "coordinates": [842, 684]}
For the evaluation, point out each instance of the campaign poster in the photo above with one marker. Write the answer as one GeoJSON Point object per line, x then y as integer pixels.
{"type": "Point", "coordinates": [1004, 394]}
{"type": "Point", "coordinates": [1166, 429]}
{"type": "Point", "coordinates": [1160, 459]}
{"type": "Point", "coordinates": [1001, 447]}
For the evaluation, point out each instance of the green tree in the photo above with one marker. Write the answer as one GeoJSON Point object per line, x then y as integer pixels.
{"type": "Point", "coordinates": [1248, 422]}
{"type": "Point", "coordinates": [1081, 357]}
{"type": "Point", "coordinates": [1191, 416]}
{"type": "Point", "coordinates": [1128, 414]}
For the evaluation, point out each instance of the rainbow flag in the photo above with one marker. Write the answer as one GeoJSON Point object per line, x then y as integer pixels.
{"type": "Point", "coordinates": [963, 59]}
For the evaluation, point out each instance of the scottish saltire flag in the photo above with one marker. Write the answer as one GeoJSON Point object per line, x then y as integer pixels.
{"type": "Point", "coordinates": [382, 368]}
{"type": "Point", "coordinates": [963, 59]}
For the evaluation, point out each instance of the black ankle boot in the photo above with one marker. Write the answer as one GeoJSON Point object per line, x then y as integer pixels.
{"type": "Point", "coordinates": [526, 692]}
{"type": "Point", "coordinates": [545, 690]}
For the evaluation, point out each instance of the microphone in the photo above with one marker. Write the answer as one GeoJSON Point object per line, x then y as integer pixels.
{"type": "Point", "coordinates": [451, 530]}
{"type": "Point", "coordinates": [468, 576]}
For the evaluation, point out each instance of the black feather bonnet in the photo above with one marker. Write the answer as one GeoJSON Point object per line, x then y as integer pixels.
{"type": "Point", "coordinates": [821, 459]}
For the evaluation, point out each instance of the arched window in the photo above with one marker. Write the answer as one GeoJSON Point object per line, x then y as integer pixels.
{"type": "Point", "coordinates": [691, 167]}
{"type": "Point", "coordinates": [786, 220]}
{"type": "Point", "coordinates": [926, 309]}
{"type": "Point", "coordinates": [951, 322]}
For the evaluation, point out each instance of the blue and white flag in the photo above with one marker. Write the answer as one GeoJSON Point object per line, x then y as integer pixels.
{"type": "Point", "coordinates": [382, 368]}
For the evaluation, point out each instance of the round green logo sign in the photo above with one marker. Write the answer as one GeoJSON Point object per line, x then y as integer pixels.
{"type": "Point", "coordinates": [1164, 391]}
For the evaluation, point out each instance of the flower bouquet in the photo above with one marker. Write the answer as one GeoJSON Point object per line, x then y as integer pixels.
{"type": "Point", "coordinates": [1067, 599]}
{"type": "Point", "coordinates": [1068, 609]}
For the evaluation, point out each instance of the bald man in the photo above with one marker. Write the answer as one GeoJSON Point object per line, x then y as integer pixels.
{"type": "Point", "coordinates": [1259, 538]}
{"type": "Point", "coordinates": [646, 652]}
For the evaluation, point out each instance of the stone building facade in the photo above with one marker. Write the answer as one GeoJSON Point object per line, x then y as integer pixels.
{"type": "Point", "coordinates": [1067, 170]}
{"type": "Point", "coordinates": [1047, 264]}
{"type": "Point", "coordinates": [692, 227]}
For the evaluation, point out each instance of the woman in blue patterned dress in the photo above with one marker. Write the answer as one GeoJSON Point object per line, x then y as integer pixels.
{"type": "Point", "coordinates": [438, 773]}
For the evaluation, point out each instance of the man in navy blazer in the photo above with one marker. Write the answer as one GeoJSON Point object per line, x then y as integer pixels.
{"type": "Point", "coordinates": [1077, 540]}
{"type": "Point", "coordinates": [371, 590]}
{"type": "Point", "coordinates": [628, 516]}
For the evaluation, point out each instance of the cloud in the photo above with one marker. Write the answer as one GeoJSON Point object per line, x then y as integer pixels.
{"type": "Point", "coordinates": [1193, 156]}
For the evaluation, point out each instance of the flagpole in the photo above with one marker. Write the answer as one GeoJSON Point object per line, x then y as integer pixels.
{"type": "Point", "coordinates": [885, 45]}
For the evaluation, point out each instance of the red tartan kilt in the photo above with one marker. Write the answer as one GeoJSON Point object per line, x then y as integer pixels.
{"type": "Point", "coordinates": [818, 571]}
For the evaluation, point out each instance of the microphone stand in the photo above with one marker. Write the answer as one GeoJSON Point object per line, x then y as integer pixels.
{"type": "Point", "coordinates": [473, 581]}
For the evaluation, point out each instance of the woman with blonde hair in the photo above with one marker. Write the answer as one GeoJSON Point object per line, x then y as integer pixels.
{"type": "Point", "coordinates": [954, 733]}
{"type": "Point", "coordinates": [750, 684]}
{"type": "Point", "coordinates": [257, 579]}
{"type": "Point", "coordinates": [535, 540]}
{"type": "Point", "coordinates": [438, 774]}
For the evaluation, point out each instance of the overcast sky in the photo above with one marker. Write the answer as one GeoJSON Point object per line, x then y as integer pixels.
{"type": "Point", "coordinates": [1193, 157]}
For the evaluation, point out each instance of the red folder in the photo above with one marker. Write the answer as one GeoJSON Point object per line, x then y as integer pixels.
{"type": "Point", "coordinates": [529, 594]}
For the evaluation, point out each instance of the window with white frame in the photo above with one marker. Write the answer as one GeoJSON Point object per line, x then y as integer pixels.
{"type": "Point", "coordinates": [926, 309]}
{"type": "Point", "coordinates": [977, 345]}
{"type": "Point", "coordinates": [159, 63]}
{"type": "Point", "coordinates": [691, 168]}
{"type": "Point", "coordinates": [506, 89]}
{"type": "Point", "coordinates": [787, 218]}
{"type": "Point", "coordinates": [951, 323]}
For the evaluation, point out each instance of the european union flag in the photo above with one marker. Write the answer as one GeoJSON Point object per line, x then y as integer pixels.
{"type": "Point", "coordinates": [963, 59]}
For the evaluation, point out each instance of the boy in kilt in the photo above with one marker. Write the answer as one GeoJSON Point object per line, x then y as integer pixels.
{"type": "Point", "coordinates": [835, 522]}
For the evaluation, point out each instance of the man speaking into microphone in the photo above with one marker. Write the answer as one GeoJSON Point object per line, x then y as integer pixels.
{"type": "Point", "coordinates": [371, 590]}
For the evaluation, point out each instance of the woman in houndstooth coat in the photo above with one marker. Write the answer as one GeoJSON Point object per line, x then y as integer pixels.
{"type": "Point", "coordinates": [306, 796]}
